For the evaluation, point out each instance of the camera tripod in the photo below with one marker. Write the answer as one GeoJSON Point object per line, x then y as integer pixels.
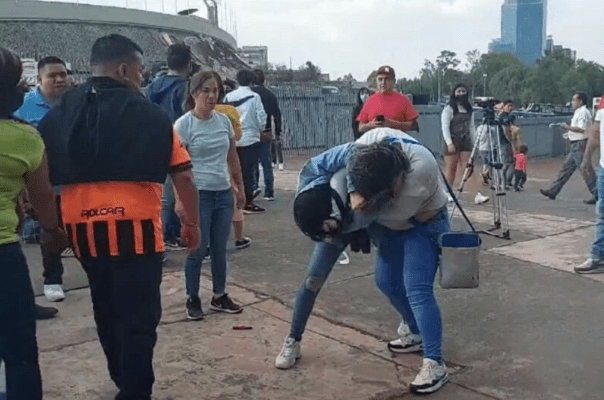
{"type": "Point", "coordinates": [493, 129]}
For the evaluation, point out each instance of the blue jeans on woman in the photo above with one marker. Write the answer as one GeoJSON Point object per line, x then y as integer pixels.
{"type": "Point", "coordinates": [406, 265]}
{"type": "Point", "coordinates": [18, 344]}
{"type": "Point", "coordinates": [597, 246]}
{"type": "Point", "coordinates": [405, 269]}
{"type": "Point", "coordinates": [215, 215]}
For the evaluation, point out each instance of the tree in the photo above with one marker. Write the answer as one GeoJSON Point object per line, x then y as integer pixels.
{"type": "Point", "coordinates": [371, 79]}
{"type": "Point", "coordinates": [587, 77]}
{"type": "Point", "coordinates": [308, 72]}
{"type": "Point", "coordinates": [446, 62]}
{"type": "Point", "coordinates": [546, 82]}
{"type": "Point", "coordinates": [472, 65]}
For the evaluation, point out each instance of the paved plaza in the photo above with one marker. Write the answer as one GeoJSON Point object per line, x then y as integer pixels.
{"type": "Point", "coordinates": [532, 330]}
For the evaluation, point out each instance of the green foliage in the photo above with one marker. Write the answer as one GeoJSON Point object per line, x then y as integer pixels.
{"type": "Point", "coordinates": [554, 80]}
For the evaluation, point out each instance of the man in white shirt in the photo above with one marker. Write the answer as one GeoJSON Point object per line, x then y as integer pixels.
{"type": "Point", "coordinates": [577, 134]}
{"type": "Point", "coordinates": [595, 263]}
{"type": "Point", "coordinates": [253, 120]}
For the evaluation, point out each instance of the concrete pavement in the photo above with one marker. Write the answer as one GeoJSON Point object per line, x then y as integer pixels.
{"type": "Point", "coordinates": [532, 330]}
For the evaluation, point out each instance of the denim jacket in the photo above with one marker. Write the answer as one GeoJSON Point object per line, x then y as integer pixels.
{"type": "Point", "coordinates": [320, 169]}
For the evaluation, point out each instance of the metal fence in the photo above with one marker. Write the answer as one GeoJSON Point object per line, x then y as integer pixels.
{"type": "Point", "coordinates": [314, 122]}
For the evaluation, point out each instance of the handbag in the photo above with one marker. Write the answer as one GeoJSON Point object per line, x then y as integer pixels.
{"type": "Point", "coordinates": [459, 267]}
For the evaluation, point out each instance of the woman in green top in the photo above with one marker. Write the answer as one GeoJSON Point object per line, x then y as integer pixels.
{"type": "Point", "coordinates": [22, 167]}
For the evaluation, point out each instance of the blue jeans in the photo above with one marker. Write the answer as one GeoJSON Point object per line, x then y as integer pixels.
{"type": "Point", "coordinates": [215, 215]}
{"type": "Point", "coordinates": [406, 265]}
{"type": "Point", "coordinates": [169, 219]}
{"type": "Point", "coordinates": [405, 269]}
{"type": "Point", "coordinates": [18, 344]}
{"type": "Point", "coordinates": [597, 247]}
{"type": "Point", "coordinates": [322, 260]}
{"type": "Point", "coordinates": [248, 159]}
{"type": "Point", "coordinates": [267, 169]}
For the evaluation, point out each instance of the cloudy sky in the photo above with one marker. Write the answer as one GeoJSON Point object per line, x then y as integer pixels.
{"type": "Point", "coordinates": [356, 36]}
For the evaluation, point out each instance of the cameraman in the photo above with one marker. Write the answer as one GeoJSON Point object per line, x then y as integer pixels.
{"type": "Point", "coordinates": [510, 140]}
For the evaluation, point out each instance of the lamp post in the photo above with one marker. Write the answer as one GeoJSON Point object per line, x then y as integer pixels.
{"type": "Point", "coordinates": [484, 85]}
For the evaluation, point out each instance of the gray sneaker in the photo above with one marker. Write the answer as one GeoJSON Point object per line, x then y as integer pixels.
{"type": "Point", "coordinates": [431, 377]}
{"type": "Point", "coordinates": [590, 267]}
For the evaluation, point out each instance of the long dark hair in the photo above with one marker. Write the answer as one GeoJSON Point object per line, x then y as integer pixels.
{"type": "Point", "coordinates": [11, 94]}
{"type": "Point", "coordinates": [194, 86]}
{"type": "Point", "coordinates": [466, 103]}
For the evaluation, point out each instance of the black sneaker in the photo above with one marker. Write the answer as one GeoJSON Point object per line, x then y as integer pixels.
{"type": "Point", "coordinates": [591, 201]}
{"type": "Point", "coordinates": [194, 311]}
{"type": "Point", "coordinates": [243, 243]}
{"type": "Point", "coordinates": [45, 312]}
{"type": "Point", "coordinates": [225, 304]}
{"type": "Point", "coordinates": [253, 209]}
{"type": "Point", "coordinates": [547, 194]}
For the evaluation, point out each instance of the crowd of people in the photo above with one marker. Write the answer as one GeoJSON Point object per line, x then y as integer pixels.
{"type": "Point", "coordinates": [119, 174]}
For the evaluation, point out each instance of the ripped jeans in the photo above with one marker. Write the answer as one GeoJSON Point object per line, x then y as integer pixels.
{"type": "Point", "coordinates": [322, 260]}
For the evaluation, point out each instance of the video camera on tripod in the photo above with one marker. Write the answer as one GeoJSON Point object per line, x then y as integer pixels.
{"type": "Point", "coordinates": [491, 117]}
{"type": "Point", "coordinates": [492, 132]}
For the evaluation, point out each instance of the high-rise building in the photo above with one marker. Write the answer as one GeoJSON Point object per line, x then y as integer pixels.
{"type": "Point", "coordinates": [523, 30]}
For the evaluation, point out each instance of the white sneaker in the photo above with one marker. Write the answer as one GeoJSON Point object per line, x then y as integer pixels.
{"type": "Point", "coordinates": [280, 166]}
{"type": "Point", "coordinates": [290, 352]}
{"type": "Point", "coordinates": [480, 199]}
{"type": "Point", "coordinates": [54, 292]}
{"type": "Point", "coordinates": [407, 342]}
{"type": "Point", "coordinates": [403, 329]}
{"type": "Point", "coordinates": [343, 259]}
{"type": "Point", "coordinates": [431, 377]}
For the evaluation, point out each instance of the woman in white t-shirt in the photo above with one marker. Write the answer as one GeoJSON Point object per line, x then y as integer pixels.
{"type": "Point", "coordinates": [458, 131]}
{"type": "Point", "coordinates": [209, 138]}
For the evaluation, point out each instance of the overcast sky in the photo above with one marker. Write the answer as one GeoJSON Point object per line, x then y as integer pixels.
{"type": "Point", "coordinates": [357, 36]}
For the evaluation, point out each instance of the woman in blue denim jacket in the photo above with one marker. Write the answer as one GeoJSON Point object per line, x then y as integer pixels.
{"type": "Point", "coordinates": [394, 189]}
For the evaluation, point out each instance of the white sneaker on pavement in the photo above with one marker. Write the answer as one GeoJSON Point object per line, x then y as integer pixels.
{"type": "Point", "coordinates": [431, 377]}
{"type": "Point", "coordinates": [280, 166]}
{"type": "Point", "coordinates": [54, 292]}
{"type": "Point", "coordinates": [407, 342]}
{"type": "Point", "coordinates": [480, 199]}
{"type": "Point", "coordinates": [290, 352]}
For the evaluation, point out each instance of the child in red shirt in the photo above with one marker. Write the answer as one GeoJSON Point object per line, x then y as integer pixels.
{"type": "Point", "coordinates": [520, 169]}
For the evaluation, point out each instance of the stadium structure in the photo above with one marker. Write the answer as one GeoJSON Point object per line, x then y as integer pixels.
{"type": "Point", "coordinates": [35, 29]}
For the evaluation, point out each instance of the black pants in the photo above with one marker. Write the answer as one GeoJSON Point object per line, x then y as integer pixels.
{"type": "Point", "coordinates": [127, 309]}
{"type": "Point", "coordinates": [18, 345]}
{"type": "Point", "coordinates": [249, 157]}
{"type": "Point", "coordinates": [53, 266]}
{"type": "Point", "coordinates": [519, 179]}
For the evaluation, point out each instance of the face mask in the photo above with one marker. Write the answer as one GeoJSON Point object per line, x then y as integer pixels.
{"type": "Point", "coordinates": [364, 97]}
{"type": "Point", "coordinates": [462, 98]}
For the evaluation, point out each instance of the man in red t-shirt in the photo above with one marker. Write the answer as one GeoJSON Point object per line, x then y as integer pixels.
{"type": "Point", "coordinates": [387, 108]}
